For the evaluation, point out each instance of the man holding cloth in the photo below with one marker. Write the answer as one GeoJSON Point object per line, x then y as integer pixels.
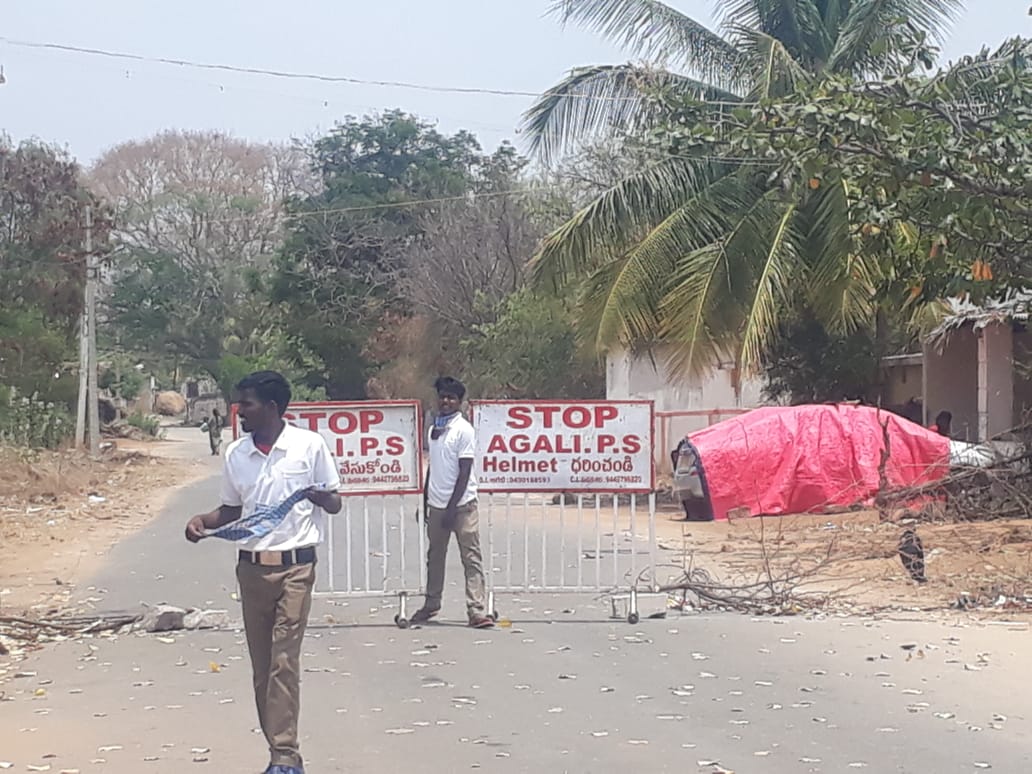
{"type": "Point", "coordinates": [276, 571]}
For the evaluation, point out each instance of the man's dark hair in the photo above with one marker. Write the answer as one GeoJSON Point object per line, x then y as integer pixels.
{"type": "Point", "coordinates": [269, 386]}
{"type": "Point", "coordinates": [446, 385]}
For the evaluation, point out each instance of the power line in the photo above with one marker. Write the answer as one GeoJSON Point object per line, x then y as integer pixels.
{"type": "Point", "coordinates": [286, 74]}
{"type": "Point", "coordinates": [280, 73]}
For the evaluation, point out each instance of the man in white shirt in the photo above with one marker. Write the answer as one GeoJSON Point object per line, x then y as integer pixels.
{"type": "Point", "coordinates": [276, 572]}
{"type": "Point", "coordinates": [451, 506]}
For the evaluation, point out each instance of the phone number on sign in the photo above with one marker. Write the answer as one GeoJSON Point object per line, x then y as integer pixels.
{"type": "Point", "coordinates": [607, 480]}
{"type": "Point", "coordinates": [357, 480]}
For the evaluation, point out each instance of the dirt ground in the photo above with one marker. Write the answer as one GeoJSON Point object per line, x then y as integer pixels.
{"type": "Point", "coordinates": [851, 559]}
{"type": "Point", "coordinates": [61, 512]}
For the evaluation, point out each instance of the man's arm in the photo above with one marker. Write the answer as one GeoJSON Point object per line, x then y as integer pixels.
{"type": "Point", "coordinates": [465, 470]}
{"type": "Point", "coordinates": [324, 471]}
{"type": "Point", "coordinates": [198, 525]}
{"type": "Point", "coordinates": [328, 500]}
{"type": "Point", "coordinates": [230, 510]}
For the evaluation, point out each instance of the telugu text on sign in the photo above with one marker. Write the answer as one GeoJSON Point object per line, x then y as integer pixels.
{"type": "Point", "coordinates": [376, 444]}
{"type": "Point", "coordinates": [555, 446]}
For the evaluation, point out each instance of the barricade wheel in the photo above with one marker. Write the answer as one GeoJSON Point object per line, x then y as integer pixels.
{"type": "Point", "coordinates": [633, 619]}
{"type": "Point", "coordinates": [403, 623]}
{"type": "Point", "coordinates": [494, 616]}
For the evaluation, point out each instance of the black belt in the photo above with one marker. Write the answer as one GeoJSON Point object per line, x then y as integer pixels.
{"type": "Point", "coordinates": [304, 555]}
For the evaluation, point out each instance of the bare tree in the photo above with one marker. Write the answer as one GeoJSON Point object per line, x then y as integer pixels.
{"type": "Point", "coordinates": [203, 196]}
{"type": "Point", "coordinates": [471, 256]}
{"type": "Point", "coordinates": [199, 217]}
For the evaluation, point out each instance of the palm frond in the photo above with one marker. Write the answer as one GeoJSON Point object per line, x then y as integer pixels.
{"type": "Point", "coordinates": [772, 69]}
{"type": "Point", "coordinates": [654, 31]}
{"type": "Point", "coordinates": [620, 301]}
{"type": "Point", "coordinates": [713, 288]}
{"type": "Point", "coordinates": [979, 83]}
{"type": "Point", "coordinates": [864, 44]}
{"type": "Point", "coordinates": [797, 24]}
{"type": "Point", "coordinates": [772, 287]}
{"type": "Point", "coordinates": [605, 100]}
{"type": "Point", "coordinates": [608, 227]}
{"type": "Point", "coordinates": [841, 278]}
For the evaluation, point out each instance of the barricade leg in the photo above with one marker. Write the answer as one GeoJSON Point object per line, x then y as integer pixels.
{"type": "Point", "coordinates": [401, 619]}
{"type": "Point", "coordinates": [492, 612]}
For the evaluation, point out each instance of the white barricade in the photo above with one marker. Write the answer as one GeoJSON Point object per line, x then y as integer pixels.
{"type": "Point", "coordinates": [593, 451]}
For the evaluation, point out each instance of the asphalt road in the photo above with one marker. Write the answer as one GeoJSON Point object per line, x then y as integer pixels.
{"type": "Point", "coordinates": [564, 689]}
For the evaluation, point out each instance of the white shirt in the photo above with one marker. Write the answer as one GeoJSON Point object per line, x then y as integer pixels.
{"type": "Point", "coordinates": [298, 459]}
{"type": "Point", "coordinates": [455, 443]}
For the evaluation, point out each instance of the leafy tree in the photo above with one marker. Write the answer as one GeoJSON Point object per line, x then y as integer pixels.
{"type": "Point", "coordinates": [696, 250]}
{"type": "Point", "coordinates": [121, 377]}
{"type": "Point", "coordinates": [42, 268]}
{"type": "Point", "coordinates": [337, 281]}
{"type": "Point", "coordinates": [530, 351]}
{"type": "Point", "coordinates": [935, 170]}
{"type": "Point", "coordinates": [807, 364]}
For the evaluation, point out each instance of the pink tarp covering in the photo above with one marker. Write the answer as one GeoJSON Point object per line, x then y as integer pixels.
{"type": "Point", "coordinates": [804, 458]}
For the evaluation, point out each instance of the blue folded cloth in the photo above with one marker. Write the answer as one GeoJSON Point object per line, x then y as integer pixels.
{"type": "Point", "coordinates": [264, 519]}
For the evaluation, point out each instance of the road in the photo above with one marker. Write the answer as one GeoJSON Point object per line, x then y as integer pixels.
{"type": "Point", "coordinates": [564, 689]}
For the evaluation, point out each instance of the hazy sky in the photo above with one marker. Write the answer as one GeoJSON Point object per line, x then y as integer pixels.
{"type": "Point", "coordinates": [90, 103]}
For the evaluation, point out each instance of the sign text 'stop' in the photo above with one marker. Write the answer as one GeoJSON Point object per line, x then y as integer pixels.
{"type": "Point", "coordinates": [555, 446]}
{"type": "Point", "coordinates": [376, 444]}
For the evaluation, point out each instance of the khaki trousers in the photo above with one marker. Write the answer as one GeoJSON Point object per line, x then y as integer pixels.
{"type": "Point", "coordinates": [467, 534]}
{"type": "Point", "coordinates": [276, 602]}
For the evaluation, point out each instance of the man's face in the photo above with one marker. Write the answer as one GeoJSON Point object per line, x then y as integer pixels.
{"type": "Point", "coordinates": [447, 403]}
{"type": "Point", "coordinates": [254, 412]}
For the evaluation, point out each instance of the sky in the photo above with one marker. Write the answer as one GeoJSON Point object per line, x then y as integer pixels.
{"type": "Point", "coordinates": [88, 103]}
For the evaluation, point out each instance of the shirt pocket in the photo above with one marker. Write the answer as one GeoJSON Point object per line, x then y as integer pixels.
{"type": "Point", "coordinates": [294, 473]}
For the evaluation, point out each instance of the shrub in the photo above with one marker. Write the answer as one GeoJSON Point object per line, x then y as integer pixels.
{"type": "Point", "coordinates": [148, 423]}
{"type": "Point", "coordinates": [28, 422]}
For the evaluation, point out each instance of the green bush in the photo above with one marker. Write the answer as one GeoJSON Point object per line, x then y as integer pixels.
{"type": "Point", "coordinates": [148, 423]}
{"type": "Point", "coordinates": [28, 422]}
{"type": "Point", "coordinates": [123, 381]}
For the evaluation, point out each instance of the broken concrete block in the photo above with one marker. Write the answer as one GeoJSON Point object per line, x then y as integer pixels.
{"type": "Point", "coordinates": [162, 618]}
{"type": "Point", "coordinates": [206, 619]}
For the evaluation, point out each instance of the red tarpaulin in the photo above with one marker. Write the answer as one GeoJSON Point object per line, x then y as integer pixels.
{"type": "Point", "coordinates": [801, 459]}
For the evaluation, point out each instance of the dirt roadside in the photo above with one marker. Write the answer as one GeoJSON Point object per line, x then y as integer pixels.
{"type": "Point", "coordinates": [60, 513]}
{"type": "Point", "coordinates": [851, 561]}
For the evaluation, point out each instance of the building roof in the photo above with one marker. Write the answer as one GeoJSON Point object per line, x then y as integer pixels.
{"type": "Point", "coordinates": [960, 312]}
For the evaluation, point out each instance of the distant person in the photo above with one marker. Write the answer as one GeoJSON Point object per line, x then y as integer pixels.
{"type": "Point", "coordinates": [450, 506]}
{"type": "Point", "coordinates": [275, 572]}
{"type": "Point", "coordinates": [912, 410]}
{"type": "Point", "coordinates": [215, 426]}
{"type": "Point", "coordinates": [943, 423]}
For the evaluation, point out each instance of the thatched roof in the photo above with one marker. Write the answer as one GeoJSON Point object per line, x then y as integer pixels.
{"type": "Point", "coordinates": [1016, 306]}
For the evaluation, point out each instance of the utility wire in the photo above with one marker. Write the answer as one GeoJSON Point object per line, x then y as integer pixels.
{"type": "Point", "coordinates": [286, 74]}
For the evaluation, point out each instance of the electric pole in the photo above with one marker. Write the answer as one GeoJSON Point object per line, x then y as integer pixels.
{"type": "Point", "coordinates": [84, 353]}
{"type": "Point", "coordinates": [93, 394]}
{"type": "Point", "coordinates": [88, 405]}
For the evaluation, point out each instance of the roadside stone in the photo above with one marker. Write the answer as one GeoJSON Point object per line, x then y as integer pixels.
{"type": "Point", "coordinates": [168, 618]}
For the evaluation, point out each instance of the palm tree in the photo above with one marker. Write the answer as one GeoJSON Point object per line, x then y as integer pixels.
{"type": "Point", "coordinates": [699, 252]}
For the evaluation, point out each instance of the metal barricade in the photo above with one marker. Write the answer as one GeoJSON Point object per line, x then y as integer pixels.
{"type": "Point", "coordinates": [599, 452]}
{"type": "Point", "coordinates": [597, 544]}
{"type": "Point", "coordinates": [605, 548]}
{"type": "Point", "coordinates": [375, 548]}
